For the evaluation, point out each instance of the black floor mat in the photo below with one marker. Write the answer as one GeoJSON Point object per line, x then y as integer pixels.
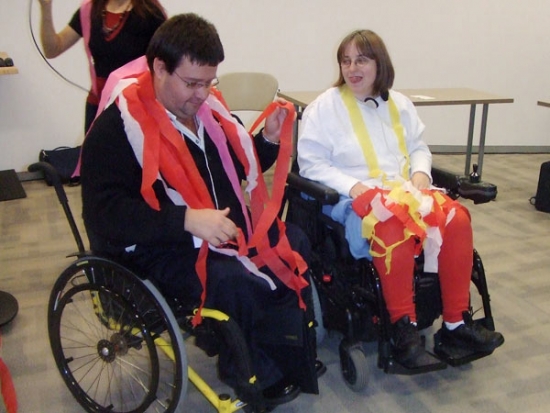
{"type": "Point", "coordinates": [10, 187]}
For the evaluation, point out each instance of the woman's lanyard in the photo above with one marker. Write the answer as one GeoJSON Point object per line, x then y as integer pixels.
{"type": "Point", "coordinates": [362, 134]}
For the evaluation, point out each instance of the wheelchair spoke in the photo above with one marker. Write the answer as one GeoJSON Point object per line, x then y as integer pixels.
{"type": "Point", "coordinates": [112, 340]}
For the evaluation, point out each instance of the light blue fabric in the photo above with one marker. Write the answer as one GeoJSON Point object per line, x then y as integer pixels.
{"type": "Point", "coordinates": [343, 213]}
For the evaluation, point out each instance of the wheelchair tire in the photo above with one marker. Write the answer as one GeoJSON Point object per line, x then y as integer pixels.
{"type": "Point", "coordinates": [320, 331]}
{"type": "Point", "coordinates": [115, 340]}
{"type": "Point", "coordinates": [354, 366]}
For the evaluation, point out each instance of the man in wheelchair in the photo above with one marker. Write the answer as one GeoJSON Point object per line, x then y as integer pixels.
{"type": "Point", "coordinates": [364, 140]}
{"type": "Point", "coordinates": [161, 184]}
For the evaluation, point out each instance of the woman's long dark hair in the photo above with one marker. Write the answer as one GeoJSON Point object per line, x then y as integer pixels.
{"type": "Point", "coordinates": [369, 44]}
{"type": "Point", "coordinates": [143, 8]}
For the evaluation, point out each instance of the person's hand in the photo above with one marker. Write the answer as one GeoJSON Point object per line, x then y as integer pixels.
{"type": "Point", "coordinates": [274, 123]}
{"type": "Point", "coordinates": [45, 2]}
{"type": "Point", "coordinates": [420, 180]}
{"type": "Point", "coordinates": [358, 189]}
{"type": "Point", "coordinates": [211, 225]}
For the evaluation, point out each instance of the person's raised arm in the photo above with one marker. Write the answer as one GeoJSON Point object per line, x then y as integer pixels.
{"type": "Point", "coordinates": [53, 43]}
{"type": "Point", "coordinates": [274, 123]}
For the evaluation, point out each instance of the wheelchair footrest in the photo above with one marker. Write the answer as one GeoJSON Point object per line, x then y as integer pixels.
{"type": "Point", "coordinates": [424, 364]}
{"type": "Point", "coordinates": [455, 356]}
{"type": "Point", "coordinates": [394, 367]}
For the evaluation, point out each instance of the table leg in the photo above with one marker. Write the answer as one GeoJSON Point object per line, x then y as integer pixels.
{"type": "Point", "coordinates": [469, 146]}
{"type": "Point", "coordinates": [482, 138]}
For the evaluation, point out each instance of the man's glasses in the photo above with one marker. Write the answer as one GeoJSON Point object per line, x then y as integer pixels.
{"type": "Point", "coordinates": [198, 85]}
{"type": "Point", "coordinates": [360, 61]}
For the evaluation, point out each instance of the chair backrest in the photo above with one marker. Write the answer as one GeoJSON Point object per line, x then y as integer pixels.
{"type": "Point", "coordinates": [248, 91]}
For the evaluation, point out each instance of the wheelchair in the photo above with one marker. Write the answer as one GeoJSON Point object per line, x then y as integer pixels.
{"type": "Point", "coordinates": [120, 345]}
{"type": "Point", "coordinates": [350, 292]}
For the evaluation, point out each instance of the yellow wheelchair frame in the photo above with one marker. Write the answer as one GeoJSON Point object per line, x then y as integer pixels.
{"type": "Point", "coordinates": [123, 318]}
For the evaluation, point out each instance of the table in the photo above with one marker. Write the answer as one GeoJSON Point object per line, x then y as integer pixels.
{"type": "Point", "coordinates": [430, 97]}
{"type": "Point", "coordinates": [544, 103]}
{"type": "Point", "coordinates": [8, 303]}
{"type": "Point", "coordinates": [8, 308]}
{"type": "Point", "coordinates": [7, 70]}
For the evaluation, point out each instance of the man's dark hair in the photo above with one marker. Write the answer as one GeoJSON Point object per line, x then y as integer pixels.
{"type": "Point", "coordinates": [185, 35]}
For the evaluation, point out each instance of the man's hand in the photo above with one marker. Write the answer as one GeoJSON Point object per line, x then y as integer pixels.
{"type": "Point", "coordinates": [274, 123]}
{"type": "Point", "coordinates": [211, 225]}
{"type": "Point", "coordinates": [420, 180]}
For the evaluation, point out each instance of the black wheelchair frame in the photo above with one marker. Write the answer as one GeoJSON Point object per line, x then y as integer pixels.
{"type": "Point", "coordinates": [119, 345]}
{"type": "Point", "coordinates": [350, 291]}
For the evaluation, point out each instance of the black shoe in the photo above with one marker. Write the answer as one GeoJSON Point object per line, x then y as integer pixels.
{"type": "Point", "coordinates": [406, 341]}
{"type": "Point", "coordinates": [408, 349]}
{"type": "Point", "coordinates": [281, 392]}
{"type": "Point", "coordinates": [320, 368]}
{"type": "Point", "coordinates": [471, 336]}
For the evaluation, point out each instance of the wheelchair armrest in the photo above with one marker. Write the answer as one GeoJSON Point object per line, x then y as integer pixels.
{"type": "Point", "coordinates": [456, 186]}
{"type": "Point", "coordinates": [316, 190]}
{"type": "Point", "coordinates": [480, 192]}
{"type": "Point", "coordinates": [445, 179]}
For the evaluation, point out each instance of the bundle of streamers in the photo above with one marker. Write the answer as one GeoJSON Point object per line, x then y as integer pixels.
{"type": "Point", "coordinates": [8, 398]}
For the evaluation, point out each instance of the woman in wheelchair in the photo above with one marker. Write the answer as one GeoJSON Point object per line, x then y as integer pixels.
{"type": "Point", "coordinates": [364, 140]}
{"type": "Point", "coordinates": [161, 194]}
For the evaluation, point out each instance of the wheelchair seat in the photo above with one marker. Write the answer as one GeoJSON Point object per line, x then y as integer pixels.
{"type": "Point", "coordinates": [350, 291]}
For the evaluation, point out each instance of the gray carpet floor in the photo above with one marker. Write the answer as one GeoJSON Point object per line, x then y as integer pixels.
{"type": "Point", "coordinates": [511, 236]}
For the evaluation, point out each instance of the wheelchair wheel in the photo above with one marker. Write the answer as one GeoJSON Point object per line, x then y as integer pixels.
{"type": "Point", "coordinates": [320, 331]}
{"type": "Point", "coordinates": [115, 341]}
{"type": "Point", "coordinates": [354, 366]}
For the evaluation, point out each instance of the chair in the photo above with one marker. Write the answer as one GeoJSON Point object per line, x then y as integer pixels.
{"type": "Point", "coordinates": [248, 91]}
{"type": "Point", "coordinates": [120, 345]}
{"type": "Point", "coordinates": [350, 291]}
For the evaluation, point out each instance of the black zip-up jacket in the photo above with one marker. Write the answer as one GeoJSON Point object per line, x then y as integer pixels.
{"type": "Point", "coordinates": [115, 214]}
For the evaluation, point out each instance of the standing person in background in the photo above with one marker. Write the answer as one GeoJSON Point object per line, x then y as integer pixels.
{"type": "Point", "coordinates": [364, 139]}
{"type": "Point", "coordinates": [115, 32]}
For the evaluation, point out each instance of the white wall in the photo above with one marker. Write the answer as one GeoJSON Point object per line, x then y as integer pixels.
{"type": "Point", "coordinates": [498, 46]}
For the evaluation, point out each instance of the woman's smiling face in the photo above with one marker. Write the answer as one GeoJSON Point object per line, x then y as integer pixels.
{"type": "Point", "coordinates": [359, 72]}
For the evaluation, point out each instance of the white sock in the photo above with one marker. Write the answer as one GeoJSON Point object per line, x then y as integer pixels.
{"type": "Point", "coordinates": [452, 326]}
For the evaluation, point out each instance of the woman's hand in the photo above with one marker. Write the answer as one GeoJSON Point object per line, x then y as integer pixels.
{"type": "Point", "coordinates": [357, 190]}
{"type": "Point", "coordinates": [420, 180]}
